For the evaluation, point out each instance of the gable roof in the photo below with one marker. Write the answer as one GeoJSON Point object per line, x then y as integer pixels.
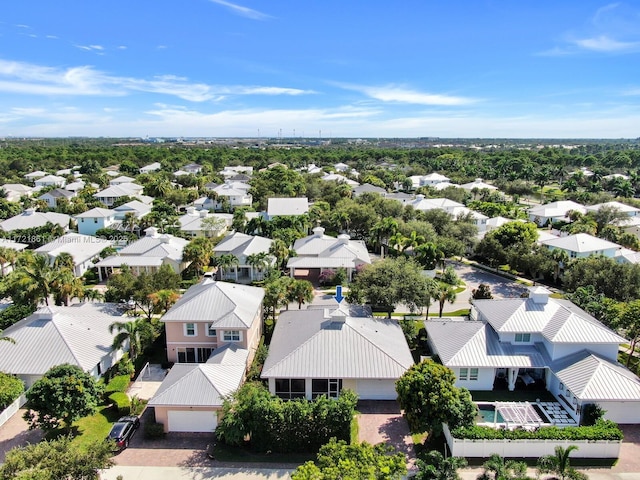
{"type": "Point", "coordinates": [120, 190]}
{"type": "Point", "coordinates": [287, 206]}
{"type": "Point", "coordinates": [622, 207]}
{"type": "Point", "coordinates": [134, 206]}
{"type": "Point", "coordinates": [556, 209]}
{"type": "Point", "coordinates": [368, 188]}
{"type": "Point", "coordinates": [320, 245]}
{"type": "Point", "coordinates": [581, 243]}
{"type": "Point", "coordinates": [307, 343]}
{"type": "Point", "coordinates": [204, 384]}
{"type": "Point", "coordinates": [591, 377]}
{"type": "Point", "coordinates": [78, 335]}
{"type": "Point", "coordinates": [475, 344]}
{"type": "Point", "coordinates": [241, 244]}
{"type": "Point", "coordinates": [80, 247]}
{"type": "Point", "coordinates": [227, 305]}
{"type": "Point", "coordinates": [31, 218]}
{"type": "Point", "coordinates": [58, 193]}
{"type": "Point", "coordinates": [559, 321]}
{"type": "Point", "coordinates": [97, 212]}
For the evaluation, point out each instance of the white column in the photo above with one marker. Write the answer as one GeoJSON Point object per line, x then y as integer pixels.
{"type": "Point", "coordinates": [513, 374]}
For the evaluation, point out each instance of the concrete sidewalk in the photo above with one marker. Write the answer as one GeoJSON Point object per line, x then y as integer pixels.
{"type": "Point", "coordinates": [194, 473]}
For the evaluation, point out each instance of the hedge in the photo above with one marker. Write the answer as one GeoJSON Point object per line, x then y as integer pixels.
{"type": "Point", "coordinates": [11, 387]}
{"type": "Point", "coordinates": [602, 430]}
{"type": "Point", "coordinates": [121, 402]}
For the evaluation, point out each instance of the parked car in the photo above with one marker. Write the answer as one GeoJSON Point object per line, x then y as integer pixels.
{"type": "Point", "coordinates": [122, 431]}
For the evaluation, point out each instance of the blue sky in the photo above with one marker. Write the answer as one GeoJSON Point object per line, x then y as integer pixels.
{"type": "Point", "coordinates": [249, 68]}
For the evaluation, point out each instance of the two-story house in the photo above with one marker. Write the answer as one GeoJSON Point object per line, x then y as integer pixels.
{"type": "Point", "coordinates": [212, 334]}
{"type": "Point", "coordinates": [52, 197]}
{"type": "Point", "coordinates": [539, 342]}
{"type": "Point", "coordinates": [91, 221]}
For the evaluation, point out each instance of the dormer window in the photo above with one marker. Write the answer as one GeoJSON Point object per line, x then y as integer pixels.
{"type": "Point", "coordinates": [523, 338]}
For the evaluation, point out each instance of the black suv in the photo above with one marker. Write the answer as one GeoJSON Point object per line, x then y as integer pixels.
{"type": "Point", "coordinates": [122, 431]}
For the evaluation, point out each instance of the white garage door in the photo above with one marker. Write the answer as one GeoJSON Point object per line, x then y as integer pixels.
{"type": "Point", "coordinates": [377, 390]}
{"type": "Point", "coordinates": [622, 412]}
{"type": "Point", "coordinates": [190, 421]}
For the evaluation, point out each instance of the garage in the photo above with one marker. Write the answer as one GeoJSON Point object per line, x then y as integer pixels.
{"type": "Point", "coordinates": [377, 389]}
{"type": "Point", "coordinates": [192, 420]}
{"type": "Point", "coordinates": [621, 412]}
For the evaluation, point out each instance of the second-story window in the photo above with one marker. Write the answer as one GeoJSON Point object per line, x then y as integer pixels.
{"type": "Point", "coordinates": [190, 330]}
{"type": "Point", "coordinates": [523, 337]}
{"type": "Point", "coordinates": [231, 336]}
{"type": "Point", "coordinates": [211, 330]}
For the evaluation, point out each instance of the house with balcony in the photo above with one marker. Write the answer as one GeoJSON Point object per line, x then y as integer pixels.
{"type": "Point", "coordinates": [538, 343]}
{"type": "Point", "coordinates": [323, 350]}
{"type": "Point", "coordinates": [212, 333]}
{"type": "Point", "coordinates": [234, 193]}
{"type": "Point", "coordinates": [243, 246]}
{"type": "Point", "coordinates": [111, 194]}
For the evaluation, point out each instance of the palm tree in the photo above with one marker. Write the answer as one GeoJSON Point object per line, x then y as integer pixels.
{"type": "Point", "coordinates": [436, 467]}
{"type": "Point", "coordinates": [497, 468]}
{"type": "Point", "coordinates": [66, 286]}
{"type": "Point", "coordinates": [281, 251]}
{"type": "Point", "coordinates": [90, 294]}
{"type": "Point", "coordinates": [198, 253]}
{"type": "Point", "coordinates": [163, 300]}
{"type": "Point", "coordinates": [560, 465]}
{"type": "Point", "coordinates": [259, 261]}
{"type": "Point", "coordinates": [301, 291]}
{"type": "Point", "coordinates": [224, 261]}
{"type": "Point", "coordinates": [127, 331]}
{"type": "Point", "coordinates": [428, 255]}
{"type": "Point", "coordinates": [382, 230]}
{"type": "Point", "coordinates": [64, 260]}
{"type": "Point", "coordinates": [7, 256]}
{"type": "Point", "coordinates": [445, 293]}
{"type": "Point", "coordinates": [36, 277]}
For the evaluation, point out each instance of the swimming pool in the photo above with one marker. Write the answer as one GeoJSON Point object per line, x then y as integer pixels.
{"type": "Point", "coordinates": [488, 414]}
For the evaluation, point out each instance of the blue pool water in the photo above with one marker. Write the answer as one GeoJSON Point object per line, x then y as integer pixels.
{"type": "Point", "coordinates": [488, 414]}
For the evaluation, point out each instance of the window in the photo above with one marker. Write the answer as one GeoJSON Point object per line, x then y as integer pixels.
{"type": "Point", "coordinates": [95, 220]}
{"type": "Point", "coordinates": [561, 387]}
{"type": "Point", "coordinates": [464, 374]}
{"type": "Point", "coordinates": [231, 336]}
{"type": "Point", "coordinates": [331, 387]}
{"type": "Point", "coordinates": [288, 388]}
{"type": "Point", "coordinates": [190, 330]}
{"type": "Point", "coordinates": [523, 337]}
{"type": "Point", "coordinates": [211, 331]}
{"type": "Point", "coordinates": [473, 374]}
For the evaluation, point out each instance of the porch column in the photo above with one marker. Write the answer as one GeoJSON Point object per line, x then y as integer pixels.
{"type": "Point", "coordinates": [513, 374]}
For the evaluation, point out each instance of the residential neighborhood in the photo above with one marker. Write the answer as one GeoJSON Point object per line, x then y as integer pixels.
{"type": "Point", "coordinates": [187, 293]}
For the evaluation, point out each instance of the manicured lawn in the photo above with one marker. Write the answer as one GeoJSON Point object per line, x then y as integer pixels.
{"type": "Point", "coordinates": [225, 453]}
{"type": "Point", "coordinates": [95, 427]}
{"type": "Point", "coordinates": [515, 396]}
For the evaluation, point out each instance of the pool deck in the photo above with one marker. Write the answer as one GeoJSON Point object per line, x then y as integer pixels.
{"type": "Point", "coordinates": [530, 414]}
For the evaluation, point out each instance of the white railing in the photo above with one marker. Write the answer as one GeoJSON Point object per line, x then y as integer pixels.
{"type": "Point", "coordinates": [8, 412]}
{"type": "Point", "coordinates": [144, 370]}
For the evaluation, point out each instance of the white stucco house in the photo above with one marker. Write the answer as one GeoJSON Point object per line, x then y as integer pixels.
{"type": "Point", "coordinates": [538, 343]}
{"type": "Point", "coordinates": [242, 246]}
{"type": "Point", "coordinates": [85, 249]}
{"type": "Point", "coordinates": [31, 218]}
{"type": "Point", "coordinates": [583, 245]}
{"type": "Point", "coordinates": [321, 351]}
{"type": "Point", "coordinates": [50, 181]}
{"type": "Point", "coordinates": [554, 211]}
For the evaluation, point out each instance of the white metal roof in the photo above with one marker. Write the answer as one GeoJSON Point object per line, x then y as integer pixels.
{"type": "Point", "coordinates": [31, 219]}
{"type": "Point", "coordinates": [227, 305]}
{"type": "Point", "coordinates": [475, 344]}
{"type": "Point", "coordinates": [78, 334]}
{"type": "Point", "coordinates": [204, 384]}
{"type": "Point", "coordinates": [97, 213]}
{"type": "Point", "coordinates": [241, 244]}
{"type": "Point", "coordinates": [556, 209]}
{"type": "Point", "coordinates": [287, 206]}
{"type": "Point", "coordinates": [581, 243]}
{"type": "Point", "coordinates": [80, 247]}
{"type": "Point", "coordinates": [307, 343]}
{"type": "Point", "coordinates": [622, 207]}
{"type": "Point", "coordinates": [591, 377]}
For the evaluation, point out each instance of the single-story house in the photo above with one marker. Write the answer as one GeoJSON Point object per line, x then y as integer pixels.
{"type": "Point", "coordinates": [321, 351]}
{"type": "Point", "coordinates": [541, 215]}
{"type": "Point", "coordinates": [78, 335]}
{"type": "Point", "coordinates": [83, 248]}
{"type": "Point", "coordinates": [284, 206]}
{"type": "Point", "coordinates": [31, 218]}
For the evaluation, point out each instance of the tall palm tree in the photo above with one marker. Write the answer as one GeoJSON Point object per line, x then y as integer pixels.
{"type": "Point", "coordinates": [561, 258]}
{"type": "Point", "coordinates": [36, 276]}
{"type": "Point", "coordinates": [7, 257]}
{"type": "Point", "coordinates": [428, 255]}
{"type": "Point", "coordinates": [436, 467]}
{"type": "Point", "coordinates": [383, 230]}
{"type": "Point", "coordinates": [497, 468]}
{"type": "Point", "coordinates": [560, 465]}
{"type": "Point", "coordinates": [198, 253]}
{"type": "Point", "coordinates": [259, 261]}
{"type": "Point", "coordinates": [226, 261]}
{"type": "Point", "coordinates": [301, 291]}
{"type": "Point", "coordinates": [64, 260]}
{"type": "Point", "coordinates": [128, 332]}
{"type": "Point", "coordinates": [445, 293]}
{"type": "Point", "coordinates": [281, 251]}
{"type": "Point", "coordinates": [66, 286]}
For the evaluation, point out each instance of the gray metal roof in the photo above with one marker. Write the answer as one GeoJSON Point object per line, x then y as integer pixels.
{"type": "Point", "coordinates": [97, 213]}
{"type": "Point", "coordinates": [78, 334]}
{"type": "Point", "coordinates": [227, 305]}
{"type": "Point", "coordinates": [581, 243]}
{"type": "Point", "coordinates": [461, 343]}
{"type": "Point", "coordinates": [31, 219]}
{"type": "Point", "coordinates": [307, 343]}
{"type": "Point", "coordinates": [203, 384]}
{"type": "Point", "coordinates": [591, 377]}
{"type": "Point", "coordinates": [287, 206]}
{"type": "Point", "coordinates": [559, 321]}
{"type": "Point", "coordinates": [80, 247]}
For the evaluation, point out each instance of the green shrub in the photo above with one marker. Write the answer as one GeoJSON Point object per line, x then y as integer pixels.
{"type": "Point", "coordinates": [121, 402]}
{"type": "Point", "coordinates": [253, 375]}
{"type": "Point", "coordinates": [11, 387]}
{"type": "Point", "coordinates": [153, 430]}
{"type": "Point", "coordinates": [602, 430]}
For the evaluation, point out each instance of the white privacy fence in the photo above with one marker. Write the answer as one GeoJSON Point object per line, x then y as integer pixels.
{"type": "Point", "coordinates": [8, 412]}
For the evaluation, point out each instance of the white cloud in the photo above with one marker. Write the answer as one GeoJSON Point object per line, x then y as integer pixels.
{"type": "Point", "coordinates": [91, 48]}
{"type": "Point", "coordinates": [604, 43]}
{"type": "Point", "coordinates": [25, 78]}
{"type": "Point", "coordinates": [393, 93]}
{"type": "Point", "coordinates": [242, 11]}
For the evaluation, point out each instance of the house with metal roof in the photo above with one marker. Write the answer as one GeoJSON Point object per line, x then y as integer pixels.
{"type": "Point", "coordinates": [286, 206]}
{"type": "Point", "coordinates": [619, 206]}
{"type": "Point", "coordinates": [478, 184]}
{"type": "Point", "coordinates": [53, 196]}
{"type": "Point", "coordinates": [78, 334]}
{"type": "Point", "coordinates": [31, 218]}
{"type": "Point", "coordinates": [109, 195]}
{"type": "Point", "coordinates": [321, 351]}
{"type": "Point", "coordinates": [91, 221]}
{"type": "Point", "coordinates": [235, 193]}
{"type": "Point", "coordinates": [202, 223]}
{"type": "Point", "coordinates": [319, 252]}
{"type": "Point", "coordinates": [191, 396]}
{"type": "Point", "coordinates": [147, 254]}
{"type": "Point", "coordinates": [542, 343]}
{"type": "Point", "coordinates": [137, 208]}
{"type": "Point", "coordinates": [210, 315]}
{"type": "Point", "coordinates": [152, 167]}
{"type": "Point", "coordinates": [558, 211]}
{"type": "Point", "coordinates": [243, 246]}
{"type": "Point", "coordinates": [15, 191]}
{"type": "Point", "coordinates": [84, 249]}
{"type": "Point", "coordinates": [582, 245]}
{"type": "Point", "coordinates": [121, 179]}
{"type": "Point", "coordinates": [50, 181]}
{"type": "Point", "coordinates": [368, 188]}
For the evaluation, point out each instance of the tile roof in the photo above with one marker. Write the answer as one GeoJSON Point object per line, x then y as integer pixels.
{"type": "Point", "coordinates": [307, 343]}
{"type": "Point", "coordinates": [227, 305]}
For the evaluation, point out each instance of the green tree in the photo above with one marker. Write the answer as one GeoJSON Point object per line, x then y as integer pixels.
{"type": "Point", "coordinates": [445, 293]}
{"type": "Point", "coordinates": [7, 258]}
{"type": "Point", "coordinates": [429, 397]}
{"type": "Point", "coordinates": [482, 292]}
{"type": "Point", "coordinates": [628, 322]}
{"type": "Point", "coordinates": [276, 294]}
{"type": "Point", "coordinates": [560, 465]}
{"type": "Point", "coordinates": [11, 387]}
{"type": "Point", "coordinates": [64, 394]}
{"type": "Point", "coordinates": [300, 291]}
{"type": "Point", "coordinates": [561, 260]}
{"type": "Point", "coordinates": [498, 468]}
{"type": "Point", "coordinates": [198, 253]}
{"type": "Point", "coordinates": [128, 333]}
{"type": "Point", "coordinates": [57, 459]}
{"type": "Point", "coordinates": [258, 261]}
{"type": "Point", "coordinates": [435, 466]}
{"type": "Point", "coordinates": [362, 461]}
{"type": "Point", "coordinates": [224, 262]}
{"type": "Point", "coordinates": [280, 250]}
